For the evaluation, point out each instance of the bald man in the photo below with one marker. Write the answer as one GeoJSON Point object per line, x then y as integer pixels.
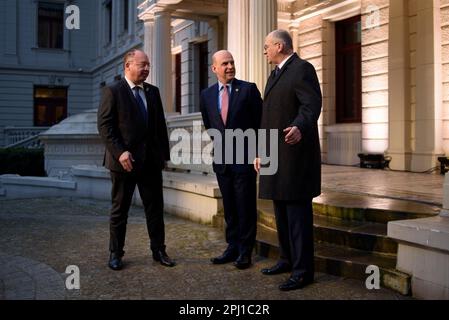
{"type": "Point", "coordinates": [232, 104]}
{"type": "Point", "coordinates": [132, 126]}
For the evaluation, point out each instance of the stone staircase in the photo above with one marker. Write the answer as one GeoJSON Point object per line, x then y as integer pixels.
{"type": "Point", "coordinates": [350, 234]}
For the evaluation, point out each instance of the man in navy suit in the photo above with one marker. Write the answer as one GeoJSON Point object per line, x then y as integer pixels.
{"type": "Point", "coordinates": [132, 126]}
{"type": "Point", "coordinates": [233, 104]}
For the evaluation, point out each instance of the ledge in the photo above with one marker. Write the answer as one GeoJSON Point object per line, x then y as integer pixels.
{"type": "Point", "coordinates": [90, 171]}
{"type": "Point", "coordinates": [194, 183]}
{"type": "Point", "coordinates": [428, 232]}
{"type": "Point", "coordinates": [37, 182]}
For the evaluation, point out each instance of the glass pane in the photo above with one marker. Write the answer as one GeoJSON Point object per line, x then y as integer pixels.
{"type": "Point", "coordinates": [352, 33]}
{"type": "Point", "coordinates": [41, 115]}
{"type": "Point", "coordinates": [350, 86]}
{"type": "Point", "coordinates": [44, 32]}
{"type": "Point", "coordinates": [59, 114]}
{"type": "Point", "coordinates": [50, 93]}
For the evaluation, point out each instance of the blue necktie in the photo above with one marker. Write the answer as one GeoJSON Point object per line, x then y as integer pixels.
{"type": "Point", "coordinates": [140, 103]}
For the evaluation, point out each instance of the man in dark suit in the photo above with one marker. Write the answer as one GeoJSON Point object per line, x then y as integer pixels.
{"type": "Point", "coordinates": [292, 105]}
{"type": "Point", "coordinates": [228, 105]}
{"type": "Point", "coordinates": [132, 126]}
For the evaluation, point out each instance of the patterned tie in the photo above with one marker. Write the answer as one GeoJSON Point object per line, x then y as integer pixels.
{"type": "Point", "coordinates": [140, 103]}
{"type": "Point", "coordinates": [224, 104]}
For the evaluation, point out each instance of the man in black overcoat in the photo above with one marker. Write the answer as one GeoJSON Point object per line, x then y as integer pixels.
{"type": "Point", "coordinates": [292, 105]}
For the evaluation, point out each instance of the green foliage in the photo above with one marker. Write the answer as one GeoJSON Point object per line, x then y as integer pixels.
{"type": "Point", "coordinates": [22, 161]}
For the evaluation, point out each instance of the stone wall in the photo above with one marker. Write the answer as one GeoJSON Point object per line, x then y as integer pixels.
{"type": "Point", "coordinates": [375, 76]}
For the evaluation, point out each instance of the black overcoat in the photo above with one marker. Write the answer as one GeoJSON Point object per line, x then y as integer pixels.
{"type": "Point", "coordinates": [293, 98]}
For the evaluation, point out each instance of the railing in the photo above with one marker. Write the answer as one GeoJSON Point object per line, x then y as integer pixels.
{"type": "Point", "coordinates": [197, 146]}
{"type": "Point", "coordinates": [23, 136]}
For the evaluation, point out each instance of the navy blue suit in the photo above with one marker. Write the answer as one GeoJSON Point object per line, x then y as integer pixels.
{"type": "Point", "coordinates": [237, 182]}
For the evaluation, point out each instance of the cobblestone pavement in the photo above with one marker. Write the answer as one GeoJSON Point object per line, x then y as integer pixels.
{"type": "Point", "coordinates": [39, 238]}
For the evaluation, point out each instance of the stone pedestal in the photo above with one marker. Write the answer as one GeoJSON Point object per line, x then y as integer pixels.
{"type": "Point", "coordinates": [423, 252]}
{"type": "Point", "coordinates": [74, 141]}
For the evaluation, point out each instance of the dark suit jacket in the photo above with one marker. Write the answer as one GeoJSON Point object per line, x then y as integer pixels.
{"type": "Point", "coordinates": [245, 110]}
{"type": "Point", "coordinates": [293, 98]}
{"type": "Point", "coordinates": [122, 128]}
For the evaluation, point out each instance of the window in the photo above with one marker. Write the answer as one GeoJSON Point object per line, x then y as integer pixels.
{"type": "Point", "coordinates": [204, 66]}
{"type": "Point", "coordinates": [125, 15]}
{"type": "Point", "coordinates": [199, 74]}
{"type": "Point", "coordinates": [108, 35]}
{"type": "Point", "coordinates": [50, 25]}
{"type": "Point", "coordinates": [348, 70]}
{"type": "Point", "coordinates": [178, 82]}
{"type": "Point", "coordinates": [50, 105]}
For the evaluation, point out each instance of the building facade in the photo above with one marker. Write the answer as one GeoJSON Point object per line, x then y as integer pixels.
{"type": "Point", "coordinates": [383, 65]}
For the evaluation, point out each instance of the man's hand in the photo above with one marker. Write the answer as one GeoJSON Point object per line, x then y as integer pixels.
{"type": "Point", "coordinates": [292, 135]}
{"type": "Point", "coordinates": [256, 164]}
{"type": "Point", "coordinates": [126, 160]}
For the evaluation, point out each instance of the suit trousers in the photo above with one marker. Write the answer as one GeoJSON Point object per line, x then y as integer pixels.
{"type": "Point", "coordinates": [240, 209]}
{"type": "Point", "coordinates": [294, 222]}
{"type": "Point", "coordinates": [149, 183]}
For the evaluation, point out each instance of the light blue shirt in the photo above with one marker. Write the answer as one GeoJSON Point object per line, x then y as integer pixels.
{"type": "Point", "coordinates": [220, 93]}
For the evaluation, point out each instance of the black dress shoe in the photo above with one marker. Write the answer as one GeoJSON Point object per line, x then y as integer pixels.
{"type": "Point", "coordinates": [277, 269]}
{"type": "Point", "coordinates": [243, 262]}
{"type": "Point", "coordinates": [115, 262]}
{"type": "Point", "coordinates": [294, 283]}
{"type": "Point", "coordinates": [226, 257]}
{"type": "Point", "coordinates": [162, 257]}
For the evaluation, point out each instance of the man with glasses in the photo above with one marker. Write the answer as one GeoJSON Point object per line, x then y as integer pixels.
{"type": "Point", "coordinates": [292, 104]}
{"type": "Point", "coordinates": [132, 126]}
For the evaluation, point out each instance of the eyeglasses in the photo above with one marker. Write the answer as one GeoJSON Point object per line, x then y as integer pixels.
{"type": "Point", "coordinates": [265, 47]}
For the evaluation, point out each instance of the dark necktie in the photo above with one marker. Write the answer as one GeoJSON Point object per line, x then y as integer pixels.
{"type": "Point", "coordinates": [140, 103]}
{"type": "Point", "coordinates": [276, 72]}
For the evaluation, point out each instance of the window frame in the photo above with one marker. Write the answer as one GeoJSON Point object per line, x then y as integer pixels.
{"type": "Point", "coordinates": [342, 51]}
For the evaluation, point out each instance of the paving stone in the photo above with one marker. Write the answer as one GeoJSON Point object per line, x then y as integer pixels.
{"type": "Point", "coordinates": [41, 237]}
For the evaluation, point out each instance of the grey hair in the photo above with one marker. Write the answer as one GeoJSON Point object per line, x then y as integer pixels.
{"type": "Point", "coordinates": [283, 37]}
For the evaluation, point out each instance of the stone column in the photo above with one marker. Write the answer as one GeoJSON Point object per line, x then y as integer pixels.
{"type": "Point", "coordinates": [162, 59]}
{"type": "Point", "coordinates": [293, 28]}
{"type": "Point", "coordinates": [262, 20]}
{"type": "Point", "coordinates": [148, 46]}
{"type": "Point", "coordinates": [428, 114]}
{"type": "Point", "coordinates": [238, 35]}
{"type": "Point", "coordinates": [399, 86]}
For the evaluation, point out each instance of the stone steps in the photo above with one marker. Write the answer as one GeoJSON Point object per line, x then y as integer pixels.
{"type": "Point", "coordinates": [367, 236]}
{"type": "Point", "coordinates": [369, 208]}
{"type": "Point", "coordinates": [350, 234]}
{"type": "Point", "coordinates": [341, 261]}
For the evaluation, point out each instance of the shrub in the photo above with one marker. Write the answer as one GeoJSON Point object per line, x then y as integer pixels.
{"type": "Point", "coordinates": [22, 161]}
